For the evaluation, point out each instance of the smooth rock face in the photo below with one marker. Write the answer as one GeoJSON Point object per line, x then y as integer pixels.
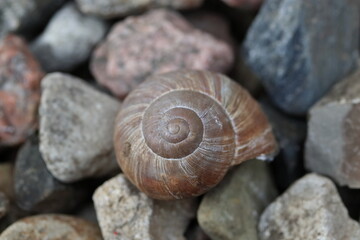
{"type": "Point", "coordinates": [4, 205]}
{"type": "Point", "coordinates": [232, 209]}
{"type": "Point", "coordinates": [310, 209]}
{"type": "Point", "coordinates": [333, 133]}
{"type": "Point", "coordinates": [20, 77]}
{"type": "Point", "coordinates": [157, 42]}
{"type": "Point", "coordinates": [68, 39]}
{"type": "Point", "coordinates": [76, 128]}
{"type": "Point", "coordinates": [126, 213]}
{"type": "Point", "coordinates": [244, 4]}
{"type": "Point", "coordinates": [52, 227]}
{"type": "Point", "coordinates": [24, 15]}
{"type": "Point", "coordinates": [121, 8]}
{"type": "Point", "coordinates": [289, 48]}
{"type": "Point", "coordinates": [37, 190]}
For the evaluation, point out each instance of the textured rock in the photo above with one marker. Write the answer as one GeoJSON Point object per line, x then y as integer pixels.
{"type": "Point", "coordinates": [125, 213]}
{"type": "Point", "coordinates": [121, 8]}
{"type": "Point", "coordinates": [310, 209]}
{"type": "Point", "coordinates": [76, 128]}
{"type": "Point", "coordinates": [333, 133]}
{"type": "Point", "coordinates": [20, 77]}
{"type": "Point", "coordinates": [232, 209]}
{"type": "Point", "coordinates": [4, 205]}
{"type": "Point", "coordinates": [61, 48]}
{"type": "Point", "coordinates": [37, 190]}
{"type": "Point", "coordinates": [289, 48]}
{"type": "Point", "coordinates": [25, 15]}
{"type": "Point", "coordinates": [6, 179]}
{"type": "Point", "coordinates": [244, 4]}
{"type": "Point", "coordinates": [51, 227]}
{"type": "Point", "coordinates": [157, 42]}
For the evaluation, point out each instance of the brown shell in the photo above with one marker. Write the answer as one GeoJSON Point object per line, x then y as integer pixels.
{"type": "Point", "coordinates": [177, 134]}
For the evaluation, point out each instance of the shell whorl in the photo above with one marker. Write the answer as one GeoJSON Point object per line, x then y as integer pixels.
{"type": "Point", "coordinates": [178, 133]}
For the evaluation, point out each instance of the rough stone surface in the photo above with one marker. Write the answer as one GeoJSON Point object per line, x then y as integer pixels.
{"type": "Point", "coordinates": [76, 128]}
{"type": "Point", "coordinates": [6, 179]}
{"type": "Point", "coordinates": [68, 39]}
{"type": "Point", "coordinates": [125, 213]}
{"type": "Point", "coordinates": [20, 77]}
{"type": "Point", "coordinates": [244, 4]}
{"type": "Point", "coordinates": [157, 42]}
{"type": "Point", "coordinates": [310, 209]}
{"type": "Point", "coordinates": [25, 15]}
{"type": "Point", "coordinates": [333, 133]}
{"type": "Point", "coordinates": [37, 190]}
{"type": "Point", "coordinates": [299, 51]}
{"type": "Point", "coordinates": [121, 8]}
{"type": "Point", "coordinates": [4, 205]}
{"type": "Point", "coordinates": [232, 209]}
{"type": "Point", "coordinates": [52, 227]}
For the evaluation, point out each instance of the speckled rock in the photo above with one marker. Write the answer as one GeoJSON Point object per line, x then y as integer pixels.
{"type": "Point", "coordinates": [37, 190]}
{"type": "Point", "coordinates": [121, 8]}
{"type": "Point", "coordinates": [289, 48]}
{"type": "Point", "coordinates": [25, 15]}
{"type": "Point", "coordinates": [244, 4]}
{"type": "Point", "coordinates": [126, 213]}
{"type": "Point", "coordinates": [4, 205]}
{"type": "Point", "coordinates": [6, 179]}
{"type": "Point", "coordinates": [68, 39]}
{"type": "Point", "coordinates": [51, 227]}
{"type": "Point", "coordinates": [310, 209]}
{"type": "Point", "coordinates": [232, 209]}
{"type": "Point", "coordinates": [157, 42]}
{"type": "Point", "coordinates": [20, 77]}
{"type": "Point", "coordinates": [334, 133]}
{"type": "Point", "coordinates": [76, 128]}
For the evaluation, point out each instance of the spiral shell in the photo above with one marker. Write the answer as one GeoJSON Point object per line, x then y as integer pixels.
{"type": "Point", "coordinates": [178, 133]}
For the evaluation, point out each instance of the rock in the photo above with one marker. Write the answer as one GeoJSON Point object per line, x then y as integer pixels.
{"type": "Point", "coordinates": [25, 15]}
{"type": "Point", "coordinates": [289, 48]}
{"type": "Point", "coordinates": [309, 209]}
{"type": "Point", "coordinates": [333, 133]}
{"type": "Point", "coordinates": [37, 190]}
{"type": "Point", "coordinates": [244, 4]}
{"type": "Point", "coordinates": [157, 42]}
{"type": "Point", "coordinates": [4, 205]}
{"type": "Point", "coordinates": [76, 128]}
{"type": "Point", "coordinates": [232, 209]}
{"type": "Point", "coordinates": [61, 48]}
{"type": "Point", "coordinates": [20, 77]}
{"type": "Point", "coordinates": [290, 134]}
{"type": "Point", "coordinates": [51, 227]}
{"type": "Point", "coordinates": [6, 179]}
{"type": "Point", "coordinates": [121, 8]}
{"type": "Point", "coordinates": [126, 213]}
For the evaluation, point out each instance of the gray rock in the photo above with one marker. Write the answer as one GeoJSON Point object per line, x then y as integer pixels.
{"type": "Point", "coordinates": [310, 209]}
{"type": "Point", "coordinates": [121, 8]}
{"type": "Point", "coordinates": [299, 51]}
{"type": "Point", "coordinates": [4, 205]}
{"type": "Point", "coordinates": [25, 15]}
{"type": "Point", "coordinates": [51, 227]}
{"type": "Point", "coordinates": [232, 209]}
{"type": "Point", "coordinates": [37, 190]}
{"type": "Point", "coordinates": [76, 128]}
{"type": "Point", "coordinates": [332, 145]}
{"type": "Point", "coordinates": [68, 39]}
{"type": "Point", "coordinates": [126, 213]}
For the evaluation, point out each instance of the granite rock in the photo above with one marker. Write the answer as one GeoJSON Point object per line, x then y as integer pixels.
{"type": "Point", "coordinates": [121, 8]}
{"type": "Point", "coordinates": [37, 190]}
{"type": "Point", "coordinates": [309, 209]}
{"type": "Point", "coordinates": [299, 50]}
{"type": "Point", "coordinates": [76, 128]}
{"type": "Point", "coordinates": [333, 133]}
{"type": "Point", "coordinates": [52, 227]}
{"type": "Point", "coordinates": [20, 77]}
{"type": "Point", "coordinates": [156, 42]}
{"type": "Point", "coordinates": [232, 209]}
{"type": "Point", "coordinates": [125, 213]}
{"type": "Point", "coordinates": [61, 48]}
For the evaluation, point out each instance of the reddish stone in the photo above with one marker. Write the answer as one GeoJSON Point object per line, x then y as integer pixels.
{"type": "Point", "coordinates": [20, 77]}
{"type": "Point", "coordinates": [157, 42]}
{"type": "Point", "coordinates": [245, 4]}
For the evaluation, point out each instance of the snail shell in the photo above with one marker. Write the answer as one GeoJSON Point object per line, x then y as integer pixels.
{"type": "Point", "coordinates": [178, 133]}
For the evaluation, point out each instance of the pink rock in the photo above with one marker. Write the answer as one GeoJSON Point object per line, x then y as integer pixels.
{"type": "Point", "coordinates": [157, 42]}
{"type": "Point", "coordinates": [245, 4]}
